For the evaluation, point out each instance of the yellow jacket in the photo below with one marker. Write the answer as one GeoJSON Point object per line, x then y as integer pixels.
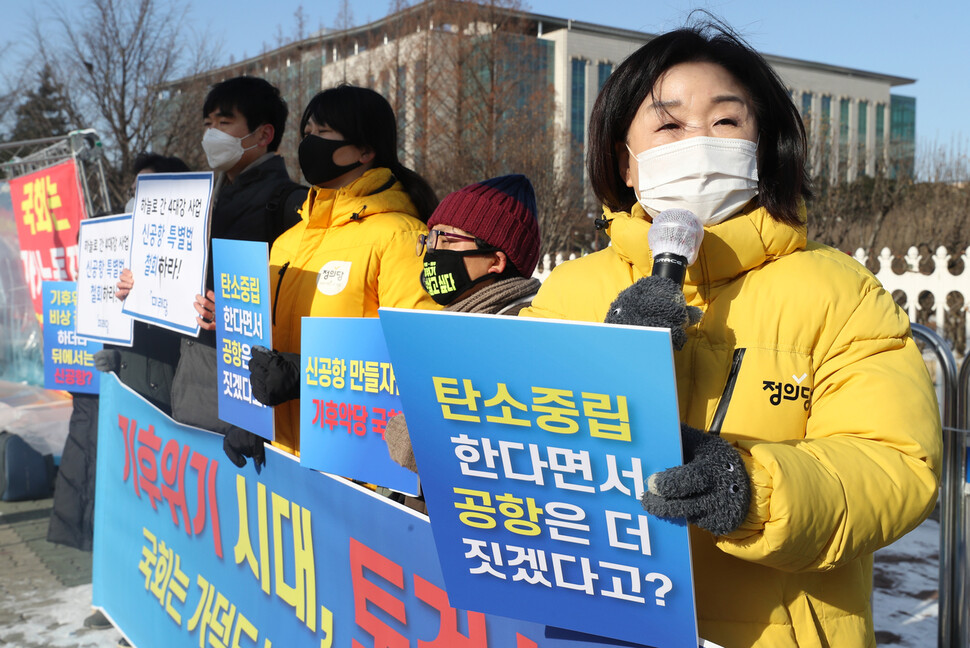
{"type": "Point", "coordinates": [832, 410]}
{"type": "Point", "coordinates": [352, 252]}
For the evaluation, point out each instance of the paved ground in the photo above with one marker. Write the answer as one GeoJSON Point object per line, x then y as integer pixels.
{"type": "Point", "coordinates": [45, 589]}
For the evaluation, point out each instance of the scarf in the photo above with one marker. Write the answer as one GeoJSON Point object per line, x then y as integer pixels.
{"type": "Point", "coordinates": [494, 297]}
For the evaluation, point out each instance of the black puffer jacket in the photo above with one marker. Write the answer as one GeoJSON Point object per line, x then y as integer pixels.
{"type": "Point", "coordinates": [249, 210]}
{"type": "Point", "coordinates": [148, 365]}
{"type": "Point", "coordinates": [72, 520]}
{"type": "Point", "coordinates": [260, 205]}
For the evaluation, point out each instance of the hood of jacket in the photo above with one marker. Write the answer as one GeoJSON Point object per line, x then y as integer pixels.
{"type": "Point", "coordinates": [377, 191]}
{"type": "Point", "coordinates": [728, 249]}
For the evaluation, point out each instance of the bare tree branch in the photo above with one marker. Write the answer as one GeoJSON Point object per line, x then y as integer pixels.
{"type": "Point", "coordinates": [345, 16]}
{"type": "Point", "coordinates": [477, 106]}
{"type": "Point", "coordinates": [113, 57]}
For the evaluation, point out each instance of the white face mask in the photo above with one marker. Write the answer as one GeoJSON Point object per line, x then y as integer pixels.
{"type": "Point", "coordinates": [223, 150]}
{"type": "Point", "coordinates": [714, 177]}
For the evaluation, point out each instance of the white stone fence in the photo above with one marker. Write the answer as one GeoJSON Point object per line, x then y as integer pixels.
{"type": "Point", "coordinates": [546, 264]}
{"type": "Point", "coordinates": [940, 283]}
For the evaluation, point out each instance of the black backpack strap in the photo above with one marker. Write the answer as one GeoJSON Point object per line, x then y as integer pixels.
{"type": "Point", "coordinates": [278, 220]}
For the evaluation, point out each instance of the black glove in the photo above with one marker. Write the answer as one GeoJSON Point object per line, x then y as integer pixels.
{"type": "Point", "coordinates": [710, 490]}
{"type": "Point", "coordinates": [107, 360]}
{"type": "Point", "coordinates": [275, 376]}
{"type": "Point", "coordinates": [239, 444]}
{"type": "Point", "coordinates": [655, 301]}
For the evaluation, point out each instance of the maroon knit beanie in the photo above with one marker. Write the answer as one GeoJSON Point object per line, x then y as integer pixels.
{"type": "Point", "coordinates": [501, 212]}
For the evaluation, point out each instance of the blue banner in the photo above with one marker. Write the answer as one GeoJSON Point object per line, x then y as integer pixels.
{"type": "Point", "coordinates": [347, 394]}
{"type": "Point", "coordinates": [190, 550]}
{"type": "Point", "coordinates": [532, 459]}
{"type": "Point", "coordinates": [68, 359]}
{"type": "Point", "coordinates": [243, 321]}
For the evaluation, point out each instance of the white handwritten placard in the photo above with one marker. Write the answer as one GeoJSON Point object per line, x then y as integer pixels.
{"type": "Point", "coordinates": [104, 250]}
{"type": "Point", "coordinates": [169, 248]}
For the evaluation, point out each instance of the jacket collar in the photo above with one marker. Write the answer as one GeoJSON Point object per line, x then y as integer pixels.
{"type": "Point", "coordinates": [729, 249]}
{"type": "Point", "coordinates": [259, 166]}
{"type": "Point", "coordinates": [268, 164]}
{"type": "Point", "coordinates": [376, 191]}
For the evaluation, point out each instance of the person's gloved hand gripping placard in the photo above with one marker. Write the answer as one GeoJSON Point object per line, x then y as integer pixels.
{"type": "Point", "coordinates": [275, 376]}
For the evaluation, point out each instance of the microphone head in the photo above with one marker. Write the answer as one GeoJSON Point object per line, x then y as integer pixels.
{"type": "Point", "coordinates": [676, 231]}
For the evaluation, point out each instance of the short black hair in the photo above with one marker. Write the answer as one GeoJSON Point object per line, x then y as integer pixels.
{"type": "Point", "coordinates": [783, 177]}
{"type": "Point", "coordinates": [258, 100]}
{"type": "Point", "coordinates": [365, 118]}
{"type": "Point", "coordinates": [159, 164]}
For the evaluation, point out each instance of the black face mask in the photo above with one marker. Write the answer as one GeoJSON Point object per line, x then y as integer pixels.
{"type": "Point", "coordinates": [445, 277]}
{"type": "Point", "coordinates": [316, 159]}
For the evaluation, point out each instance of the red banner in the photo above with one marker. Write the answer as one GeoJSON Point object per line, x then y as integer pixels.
{"type": "Point", "coordinates": [48, 207]}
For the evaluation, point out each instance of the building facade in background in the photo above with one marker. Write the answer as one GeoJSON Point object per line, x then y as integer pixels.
{"type": "Point", "coordinates": [482, 90]}
{"type": "Point", "coordinates": [856, 126]}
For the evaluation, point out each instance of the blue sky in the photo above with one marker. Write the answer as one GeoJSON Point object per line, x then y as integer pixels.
{"type": "Point", "coordinates": [924, 40]}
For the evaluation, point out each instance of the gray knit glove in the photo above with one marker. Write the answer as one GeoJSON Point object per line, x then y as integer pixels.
{"type": "Point", "coordinates": [399, 442]}
{"type": "Point", "coordinates": [658, 302]}
{"type": "Point", "coordinates": [107, 360]}
{"type": "Point", "coordinates": [711, 489]}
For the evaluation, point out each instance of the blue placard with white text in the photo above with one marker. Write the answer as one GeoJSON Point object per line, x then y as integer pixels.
{"type": "Point", "coordinates": [68, 359]}
{"type": "Point", "coordinates": [194, 551]}
{"type": "Point", "coordinates": [242, 319]}
{"type": "Point", "coordinates": [532, 461]}
{"type": "Point", "coordinates": [347, 394]}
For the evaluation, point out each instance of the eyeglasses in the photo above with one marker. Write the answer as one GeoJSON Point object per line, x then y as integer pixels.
{"type": "Point", "coordinates": [430, 240]}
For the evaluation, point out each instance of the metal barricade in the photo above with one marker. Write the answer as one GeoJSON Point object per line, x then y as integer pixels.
{"type": "Point", "coordinates": [953, 613]}
{"type": "Point", "coordinates": [960, 527]}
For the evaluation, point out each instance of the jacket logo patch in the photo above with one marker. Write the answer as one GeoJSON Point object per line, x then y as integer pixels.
{"type": "Point", "coordinates": [333, 277]}
{"type": "Point", "coordinates": [788, 391]}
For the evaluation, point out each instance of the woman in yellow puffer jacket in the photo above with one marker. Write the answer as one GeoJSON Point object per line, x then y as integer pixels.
{"type": "Point", "coordinates": [353, 250]}
{"type": "Point", "coordinates": [802, 362]}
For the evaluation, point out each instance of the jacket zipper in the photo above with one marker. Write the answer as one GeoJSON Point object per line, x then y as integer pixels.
{"type": "Point", "coordinates": [722, 405]}
{"type": "Point", "coordinates": [279, 284]}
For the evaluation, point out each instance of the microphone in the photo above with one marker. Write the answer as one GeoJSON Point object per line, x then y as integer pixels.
{"type": "Point", "coordinates": [674, 238]}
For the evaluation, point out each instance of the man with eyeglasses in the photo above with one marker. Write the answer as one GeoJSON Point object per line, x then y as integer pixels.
{"type": "Point", "coordinates": [479, 255]}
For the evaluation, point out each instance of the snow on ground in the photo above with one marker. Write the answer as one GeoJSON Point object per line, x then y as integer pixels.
{"type": "Point", "coordinates": [55, 620]}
